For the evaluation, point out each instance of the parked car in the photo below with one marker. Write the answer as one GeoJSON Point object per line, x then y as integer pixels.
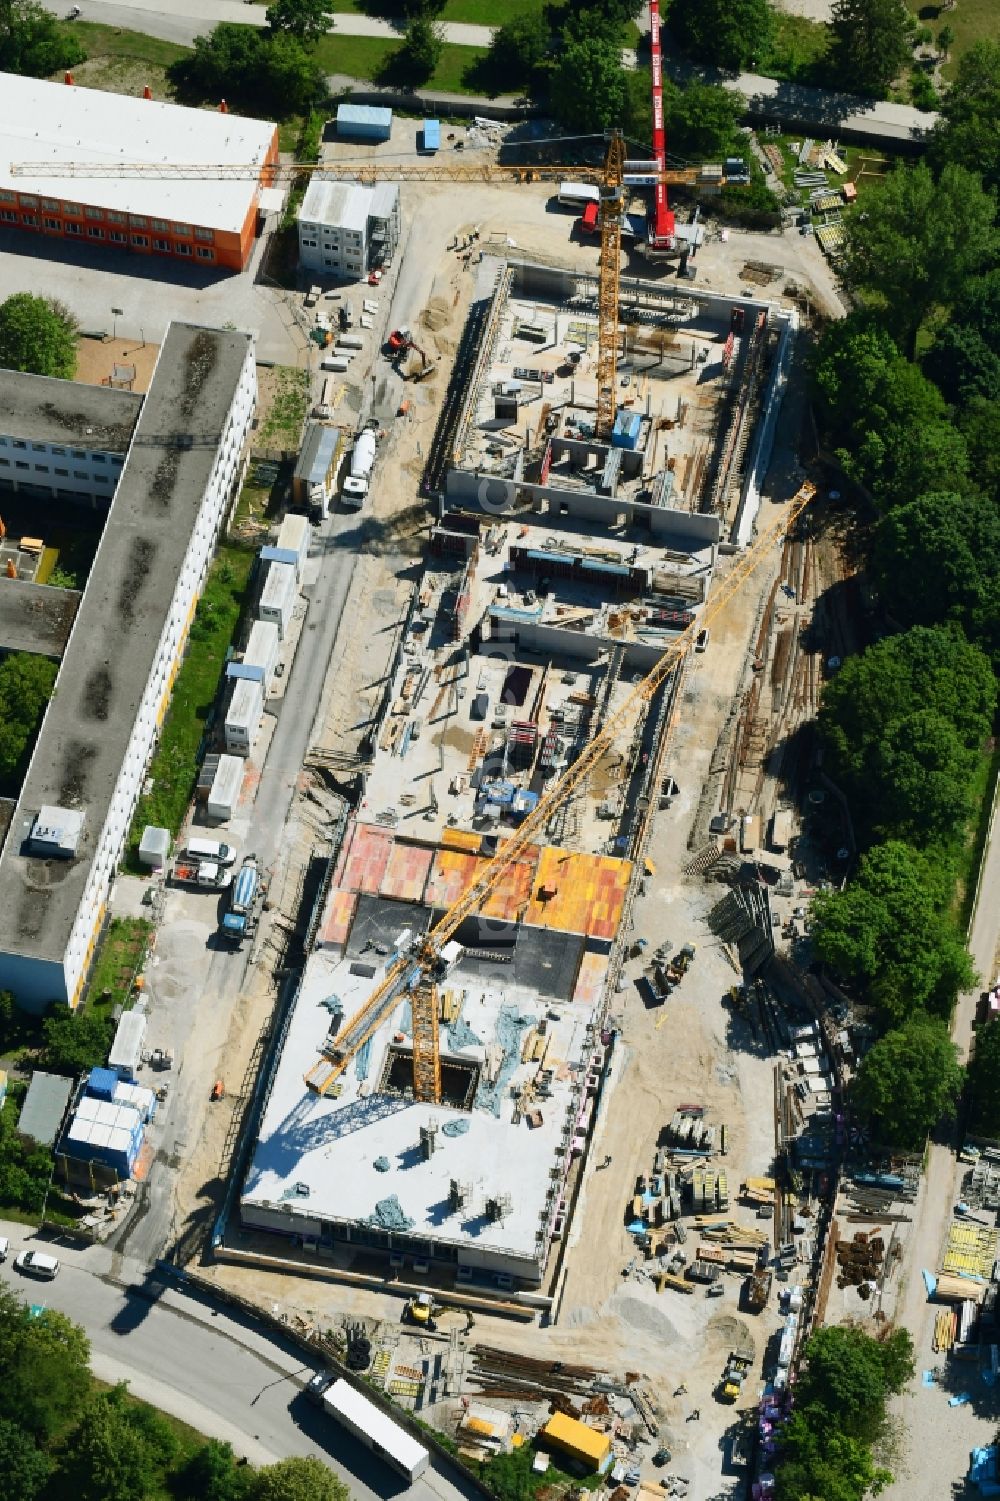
{"type": "Point", "coordinates": [37, 1264]}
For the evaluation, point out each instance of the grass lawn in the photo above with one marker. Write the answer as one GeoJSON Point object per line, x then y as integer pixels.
{"type": "Point", "coordinates": [175, 761]}
{"type": "Point", "coordinates": [972, 21]}
{"type": "Point", "coordinates": [285, 399]}
{"type": "Point", "coordinates": [123, 62]}
{"type": "Point", "coordinates": [366, 56]}
{"type": "Point", "coordinates": [122, 950]}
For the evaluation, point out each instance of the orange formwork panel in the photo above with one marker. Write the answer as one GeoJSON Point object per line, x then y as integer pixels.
{"type": "Point", "coordinates": [337, 919]}
{"type": "Point", "coordinates": [405, 874]}
{"type": "Point", "coordinates": [369, 856]}
{"type": "Point", "coordinates": [590, 980]}
{"type": "Point", "coordinates": [579, 893]}
{"type": "Point", "coordinates": [453, 871]}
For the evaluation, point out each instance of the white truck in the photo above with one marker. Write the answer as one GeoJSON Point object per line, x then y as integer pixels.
{"type": "Point", "coordinates": [355, 486]}
{"type": "Point", "coordinates": [206, 875]}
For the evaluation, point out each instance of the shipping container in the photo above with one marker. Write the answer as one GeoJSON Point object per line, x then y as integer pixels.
{"type": "Point", "coordinates": [625, 433]}
{"type": "Point", "coordinates": [335, 364]}
{"type": "Point", "coordinates": [260, 655]}
{"type": "Point", "coordinates": [364, 122]}
{"type": "Point", "coordinates": [243, 716]}
{"type": "Point", "coordinates": [278, 597]}
{"type": "Point", "coordinates": [226, 789]}
{"type": "Point", "coordinates": [351, 342]}
{"type": "Point", "coordinates": [294, 535]}
{"type": "Point", "coordinates": [368, 1423]}
{"type": "Point", "coordinates": [576, 194]}
{"type": "Point", "coordinates": [126, 1050]}
{"type": "Point", "coordinates": [431, 135]}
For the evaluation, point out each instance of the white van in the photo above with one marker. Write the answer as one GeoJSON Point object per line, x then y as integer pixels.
{"type": "Point", "coordinates": [210, 849]}
{"type": "Point", "coordinates": [37, 1264]}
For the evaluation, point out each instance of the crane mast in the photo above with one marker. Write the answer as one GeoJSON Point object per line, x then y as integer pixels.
{"type": "Point", "coordinates": [661, 230]}
{"type": "Point", "coordinates": [414, 974]}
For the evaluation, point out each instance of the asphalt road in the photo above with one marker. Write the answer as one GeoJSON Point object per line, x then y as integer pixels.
{"type": "Point", "coordinates": [222, 1376]}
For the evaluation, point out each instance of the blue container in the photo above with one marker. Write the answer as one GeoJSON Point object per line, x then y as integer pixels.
{"type": "Point", "coordinates": [364, 122]}
{"type": "Point", "coordinates": [626, 430]}
{"type": "Point", "coordinates": [432, 135]}
{"type": "Point", "coordinates": [101, 1083]}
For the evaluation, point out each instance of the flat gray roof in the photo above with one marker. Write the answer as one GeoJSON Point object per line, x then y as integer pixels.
{"type": "Point", "coordinates": [67, 411]}
{"type": "Point", "coordinates": [317, 452]}
{"type": "Point", "coordinates": [36, 617]}
{"type": "Point", "coordinates": [111, 651]}
{"type": "Point", "coordinates": [44, 1107]}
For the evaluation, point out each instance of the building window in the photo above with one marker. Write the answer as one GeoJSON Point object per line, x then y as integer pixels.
{"type": "Point", "coordinates": [162, 244]}
{"type": "Point", "coordinates": [79, 453]}
{"type": "Point", "coordinates": [63, 472]}
{"type": "Point", "coordinates": [138, 221]}
{"type": "Point", "coordinates": [141, 240]}
{"type": "Point", "coordinates": [181, 229]}
{"type": "Point", "coordinates": [119, 236]}
{"type": "Point", "coordinates": [93, 213]}
{"type": "Point", "coordinates": [74, 229]}
{"type": "Point", "coordinates": [10, 216]}
{"type": "Point", "coordinates": [56, 449]}
{"type": "Point", "coordinates": [40, 447]}
{"type": "Point", "coordinates": [41, 468]}
{"type": "Point", "coordinates": [95, 233]}
{"type": "Point", "coordinates": [205, 253]}
{"type": "Point", "coordinates": [115, 218]}
{"type": "Point", "coordinates": [20, 464]}
{"type": "Point", "coordinates": [5, 463]}
{"type": "Point", "coordinates": [72, 208]}
{"type": "Point", "coordinates": [80, 474]}
{"type": "Point", "coordinates": [160, 224]}
{"type": "Point", "coordinates": [183, 249]}
{"type": "Point", "coordinates": [31, 219]}
{"type": "Point", "coordinates": [204, 234]}
{"type": "Point", "coordinates": [98, 458]}
{"type": "Point", "coordinates": [28, 200]}
{"type": "Point", "coordinates": [50, 203]}
{"type": "Point", "coordinates": [51, 223]}
{"type": "Point", "coordinates": [6, 197]}
{"type": "Point", "coordinates": [18, 443]}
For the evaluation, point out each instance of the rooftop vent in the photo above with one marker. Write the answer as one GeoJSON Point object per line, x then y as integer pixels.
{"type": "Point", "coordinates": [56, 832]}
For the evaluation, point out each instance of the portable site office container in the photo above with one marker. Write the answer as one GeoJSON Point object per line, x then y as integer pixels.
{"type": "Point", "coordinates": [260, 655]}
{"type": "Point", "coordinates": [226, 788]}
{"type": "Point", "coordinates": [376, 1430]}
{"type": "Point", "coordinates": [431, 135]}
{"type": "Point", "coordinates": [243, 716]}
{"type": "Point", "coordinates": [277, 600]}
{"type": "Point", "coordinates": [335, 363]}
{"type": "Point", "coordinates": [364, 122]}
{"type": "Point", "coordinates": [293, 537]}
{"type": "Point", "coordinates": [126, 1050]}
{"type": "Point", "coordinates": [350, 341]}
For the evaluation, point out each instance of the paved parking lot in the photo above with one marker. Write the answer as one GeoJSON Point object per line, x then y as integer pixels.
{"type": "Point", "coordinates": [151, 291]}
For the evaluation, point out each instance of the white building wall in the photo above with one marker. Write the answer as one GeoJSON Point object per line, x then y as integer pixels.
{"type": "Point", "coordinates": [153, 704]}
{"type": "Point", "coordinates": [59, 470]}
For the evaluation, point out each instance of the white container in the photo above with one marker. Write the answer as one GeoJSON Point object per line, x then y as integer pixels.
{"type": "Point", "coordinates": [261, 654]}
{"type": "Point", "coordinates": [293, 537]}
{"type": "Point", "coordinates": [226, 787]}
{"type": "Point", "coordinates": [243, 716]}
{"type": "Point", "coordinates": [277, 600]}
{"type": "Point", "coordinates": [336, 364]}
{"type": "Point", "coordinates": [350, 341]}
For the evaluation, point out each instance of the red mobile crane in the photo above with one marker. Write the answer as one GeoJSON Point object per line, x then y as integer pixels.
{"type": "Point", "coordinates": [661, 226]}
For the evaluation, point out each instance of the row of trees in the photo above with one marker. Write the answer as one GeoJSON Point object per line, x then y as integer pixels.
{"type": "Point", "coordinates": [840, 1417]}
{"type": "Point", "coordinates": [62, 1438]}
{"type": "Point", "coordinates": [908, 394]}
{"type": "Point", "coordinates": [869, 41]}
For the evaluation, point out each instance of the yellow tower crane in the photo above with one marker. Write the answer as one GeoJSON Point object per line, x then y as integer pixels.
{"type": "Point", "coordinates": [612, 179]}
{"type": "Point", "coordinates": [413, 975]}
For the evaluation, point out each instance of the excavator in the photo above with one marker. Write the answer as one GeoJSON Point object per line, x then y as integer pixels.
{"type": "Point", "coordinates": [399, 345]}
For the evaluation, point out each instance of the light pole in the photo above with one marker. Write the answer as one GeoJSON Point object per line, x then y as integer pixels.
{"type": "Point", "coordinates": [116, 313]}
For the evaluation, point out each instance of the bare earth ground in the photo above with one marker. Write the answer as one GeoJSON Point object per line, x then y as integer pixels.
{"type": "Point", "coordinates": [96, 359]}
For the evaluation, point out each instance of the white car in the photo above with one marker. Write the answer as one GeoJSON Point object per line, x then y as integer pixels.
{"type": "Point", "coordinates": [4, 1247]}
{"type": "Point", "coordinates": [37, 1264]}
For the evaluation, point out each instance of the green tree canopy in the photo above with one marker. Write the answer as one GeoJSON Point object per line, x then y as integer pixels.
{"type": "Point", "coordinates": [307, 20]}
{"type": "Point", "coordinates": [908, 1081]}
{"type": "Point", "coordinates": [298, 1480]}
{"type": "Point", "coordinates": [892, 422]}
{"type": "Point", "coordinates": [853, 1375]}
{"type": "Point", "coordinates": [984, 1080]}
{"type": "Point", "coordinates": [918, 242]}
{"type": "Point", "coordinates": [730, 34]}
{"type": "Point", "coordinates": [32, 41]}
{"type": "Point", "coordinates": [701, 119]}
{"type": "Point", "coordinates": [925, 779]}
{"type": "Point", "coordinates": [518, 50]}
{"type": "Point", "coordinates": [38, 336]}
{"type": "Point", "coordinates": [967, 132]}
{"type": "Point", "coordinates": [587, 89]}
{"type": "Point", "coordinates": [265, 70]}
{"type": "Point", "coordinates": [24, 1467]}
{"type": "Point", "coordinates": [978, 307]}
{"type": "Point", "coordinates": [871, 43]}
{"type": "Point", "coordinates": [818, 1462]}
{"type": "Point", "coordinates": [44, 1373]}
{"type": "Point", "coordinates": [211, 1474]}
{"type": "Point", "coordinates": [938, 558]}
{"type": "Point", "coordinates": [26, 683]}
{"type": "Point", "coordinates": [962, 365]}
{"type": "Point", "coordinates": [414, 62]}
{"type": "Point", "coordinates": [979, 423]}
{"type": "Point", "coordinates": [889, 934]}
{"type": "Point", "coordinates": [75, 1043]}
{"type": "Point", "coordinates": [110, 1458]}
